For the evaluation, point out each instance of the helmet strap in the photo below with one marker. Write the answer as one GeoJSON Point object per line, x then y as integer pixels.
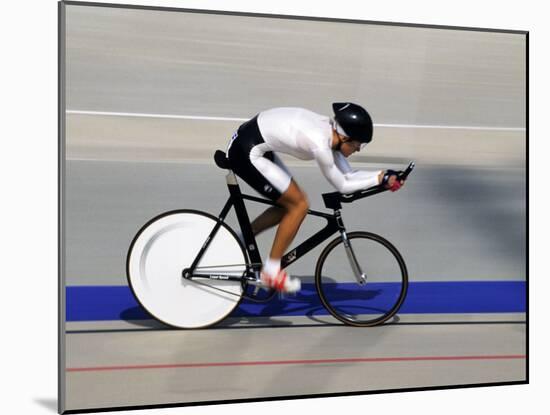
{"type": "Point", "coordinates": [338, 141]}
{"type": "Point", "coordinates": [339, 134]}
{"type": "Point", "coordinates": [338, 128]}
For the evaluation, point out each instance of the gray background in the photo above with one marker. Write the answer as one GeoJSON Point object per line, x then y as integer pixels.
{"type": "Point", "coordinates": [209, 65]}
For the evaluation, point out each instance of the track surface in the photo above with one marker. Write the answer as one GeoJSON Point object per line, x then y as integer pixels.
{"type": "Point", "coordinates": [163, 366]}
{"type": "Point", "coordinates": [449, 223]}
{"type": "Point", "coordinates": [473, 216]}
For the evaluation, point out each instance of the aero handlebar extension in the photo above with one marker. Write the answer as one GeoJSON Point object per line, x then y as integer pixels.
{"type": "Point", "coordinates": [333, 200]}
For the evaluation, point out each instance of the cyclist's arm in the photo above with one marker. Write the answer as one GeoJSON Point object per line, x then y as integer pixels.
{"type": "Point", "coordinates": [338, 172]}
{"type": "Point", "coordinates": [342, 163]}
{"type": "Point", "coordinates": [344, 166]}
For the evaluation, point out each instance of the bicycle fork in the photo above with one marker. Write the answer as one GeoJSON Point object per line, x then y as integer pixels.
{"type": "Point", "coordinates": [360, 276]}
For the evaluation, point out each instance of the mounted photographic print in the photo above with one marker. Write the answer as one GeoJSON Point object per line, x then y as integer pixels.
{"type": "Point", "coordinates": [262, 207]}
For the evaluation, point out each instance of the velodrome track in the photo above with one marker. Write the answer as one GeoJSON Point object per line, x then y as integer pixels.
{"type": "Point", "coordinates": [469, 329]}
{"type": "Point", "coordinates": [145, 111]}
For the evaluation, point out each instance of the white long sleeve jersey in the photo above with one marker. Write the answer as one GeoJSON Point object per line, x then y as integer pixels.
{"type": "Point", "coordinates": [308, 136]}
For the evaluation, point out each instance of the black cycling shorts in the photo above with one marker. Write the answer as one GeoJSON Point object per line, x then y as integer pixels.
{"type": "Point", "coordinates": [243, 141]}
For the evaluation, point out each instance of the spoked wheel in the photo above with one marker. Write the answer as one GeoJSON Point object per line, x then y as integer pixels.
{"type": "Point", "coordinates": [167, 245]}
{"type": "Point", "coordinates": [373, 302]}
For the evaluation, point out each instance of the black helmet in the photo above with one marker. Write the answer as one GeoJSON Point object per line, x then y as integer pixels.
{"type": "Point", "coordinates": [354, 120]}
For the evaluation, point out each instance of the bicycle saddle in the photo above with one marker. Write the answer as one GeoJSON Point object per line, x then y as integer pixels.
{"type": "Point", "coordinates": [221, 160]}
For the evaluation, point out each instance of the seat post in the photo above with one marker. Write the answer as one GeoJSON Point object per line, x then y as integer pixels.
{"type": "Point", "coordinates": [231, 179]}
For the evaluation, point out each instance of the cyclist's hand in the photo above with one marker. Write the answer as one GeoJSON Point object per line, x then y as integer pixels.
{"type": "Point", "coordinates": [391, 180]}
{"type": "Point", "coordinates": [394, 184]}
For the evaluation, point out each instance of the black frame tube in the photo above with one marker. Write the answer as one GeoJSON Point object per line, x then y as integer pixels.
{"type": "Point", "coordinates": [318, 238]}
{"type": "Point", "coordinates": [236, 200]}
{"type": "Point", "coordinates": [334, 224]}
{"type": "Point", "coordinates": [206, 244]}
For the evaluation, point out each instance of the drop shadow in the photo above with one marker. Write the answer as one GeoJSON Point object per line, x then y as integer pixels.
{"type": "Point", "coordinates": [48, 403]}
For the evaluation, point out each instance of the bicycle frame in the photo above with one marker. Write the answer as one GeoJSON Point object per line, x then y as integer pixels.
{"type": "Point", "coordinates": [236, 200]}
{"type": "Point", "coordinates": [334, 224]}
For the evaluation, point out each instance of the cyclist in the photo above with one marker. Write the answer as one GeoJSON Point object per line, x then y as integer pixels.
{"type": "Point", "coordinates": [252, 153]}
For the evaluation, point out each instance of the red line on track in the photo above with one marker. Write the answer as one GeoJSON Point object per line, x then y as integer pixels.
{"type": "Point", "coordinates": [295, 362]}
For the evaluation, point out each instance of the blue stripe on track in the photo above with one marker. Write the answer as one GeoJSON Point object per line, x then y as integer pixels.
{"type": "Point", "coordinates": [86, 303]}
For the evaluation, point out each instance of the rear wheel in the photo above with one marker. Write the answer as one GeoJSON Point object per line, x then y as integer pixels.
{"type": "Point", "coordinates": [373, 302]}
{"type": "Point", "coordinates": [167, 245]}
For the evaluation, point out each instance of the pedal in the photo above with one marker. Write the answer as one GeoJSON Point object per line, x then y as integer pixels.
{"type": "Point", "coordinates": [258, 283]}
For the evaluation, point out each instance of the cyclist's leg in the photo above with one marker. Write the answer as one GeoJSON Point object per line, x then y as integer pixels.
{"type": "Point", "coordinates": [270, 180]}
{"type": "Point", "coordinates": [294, 209]}
{"type": "Point", "coordinates": [273, 215]}
{"type": "Point", "coordinates": [269, 218]}
{"type": "Point", "coordinates": [296, 205]}
{"type": "Point", "coordinates": [253, 161]}
{"type": "Point", "coordinates": [290, 197]}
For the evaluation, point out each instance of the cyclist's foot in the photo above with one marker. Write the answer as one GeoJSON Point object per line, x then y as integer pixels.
{"type": "Point", "coordinates": [281, 282]}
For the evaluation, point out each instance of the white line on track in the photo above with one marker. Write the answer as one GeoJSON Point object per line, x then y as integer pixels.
{"type": "Point", "coordinates": [135, 114]}
{"type": "Point", "coordinates": [196, 117]}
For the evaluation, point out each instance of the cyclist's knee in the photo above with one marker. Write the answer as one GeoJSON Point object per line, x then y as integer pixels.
{"type": "Point", "coordinates": [299, 206]}
{"type": "Point", "coordinates": [294, 199]}
{"type": "Point", "coordinates": [303, 204]}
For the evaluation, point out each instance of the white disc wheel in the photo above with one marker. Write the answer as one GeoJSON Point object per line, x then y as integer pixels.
{"type": "Point", "coordinates": [167, 245]}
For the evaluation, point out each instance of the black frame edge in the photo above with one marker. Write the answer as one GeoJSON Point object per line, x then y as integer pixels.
{"type": "Point", "coordinates": [291, 17]}
{"type": "Point", "coordinates": [527, 205]}
{"type": "Point", "coordinates": [61, 363]}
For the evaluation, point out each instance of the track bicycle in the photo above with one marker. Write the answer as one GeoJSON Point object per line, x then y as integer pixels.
{"type": "Point", "coordinates": [188, 269]}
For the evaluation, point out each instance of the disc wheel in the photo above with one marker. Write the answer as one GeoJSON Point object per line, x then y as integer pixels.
{"type": "Point", "coordinates": [168, 244]}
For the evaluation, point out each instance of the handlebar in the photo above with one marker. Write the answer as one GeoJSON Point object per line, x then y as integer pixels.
{"type": "Point", "coordinates": [407, 171]}
{"type": "Point", "coordinates": [334, 200]}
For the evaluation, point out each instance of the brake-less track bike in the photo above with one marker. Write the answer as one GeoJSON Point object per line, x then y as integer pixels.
{"type": "Point", "coordinates": [189, 269]}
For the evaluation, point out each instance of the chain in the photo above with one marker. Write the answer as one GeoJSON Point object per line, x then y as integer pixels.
{"type": "Point", "coordinates": [228, 265]}
{"type": "Point", "coordinates": [243, 294]}
{"type": "Point", "coordinates": [215, 288]}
